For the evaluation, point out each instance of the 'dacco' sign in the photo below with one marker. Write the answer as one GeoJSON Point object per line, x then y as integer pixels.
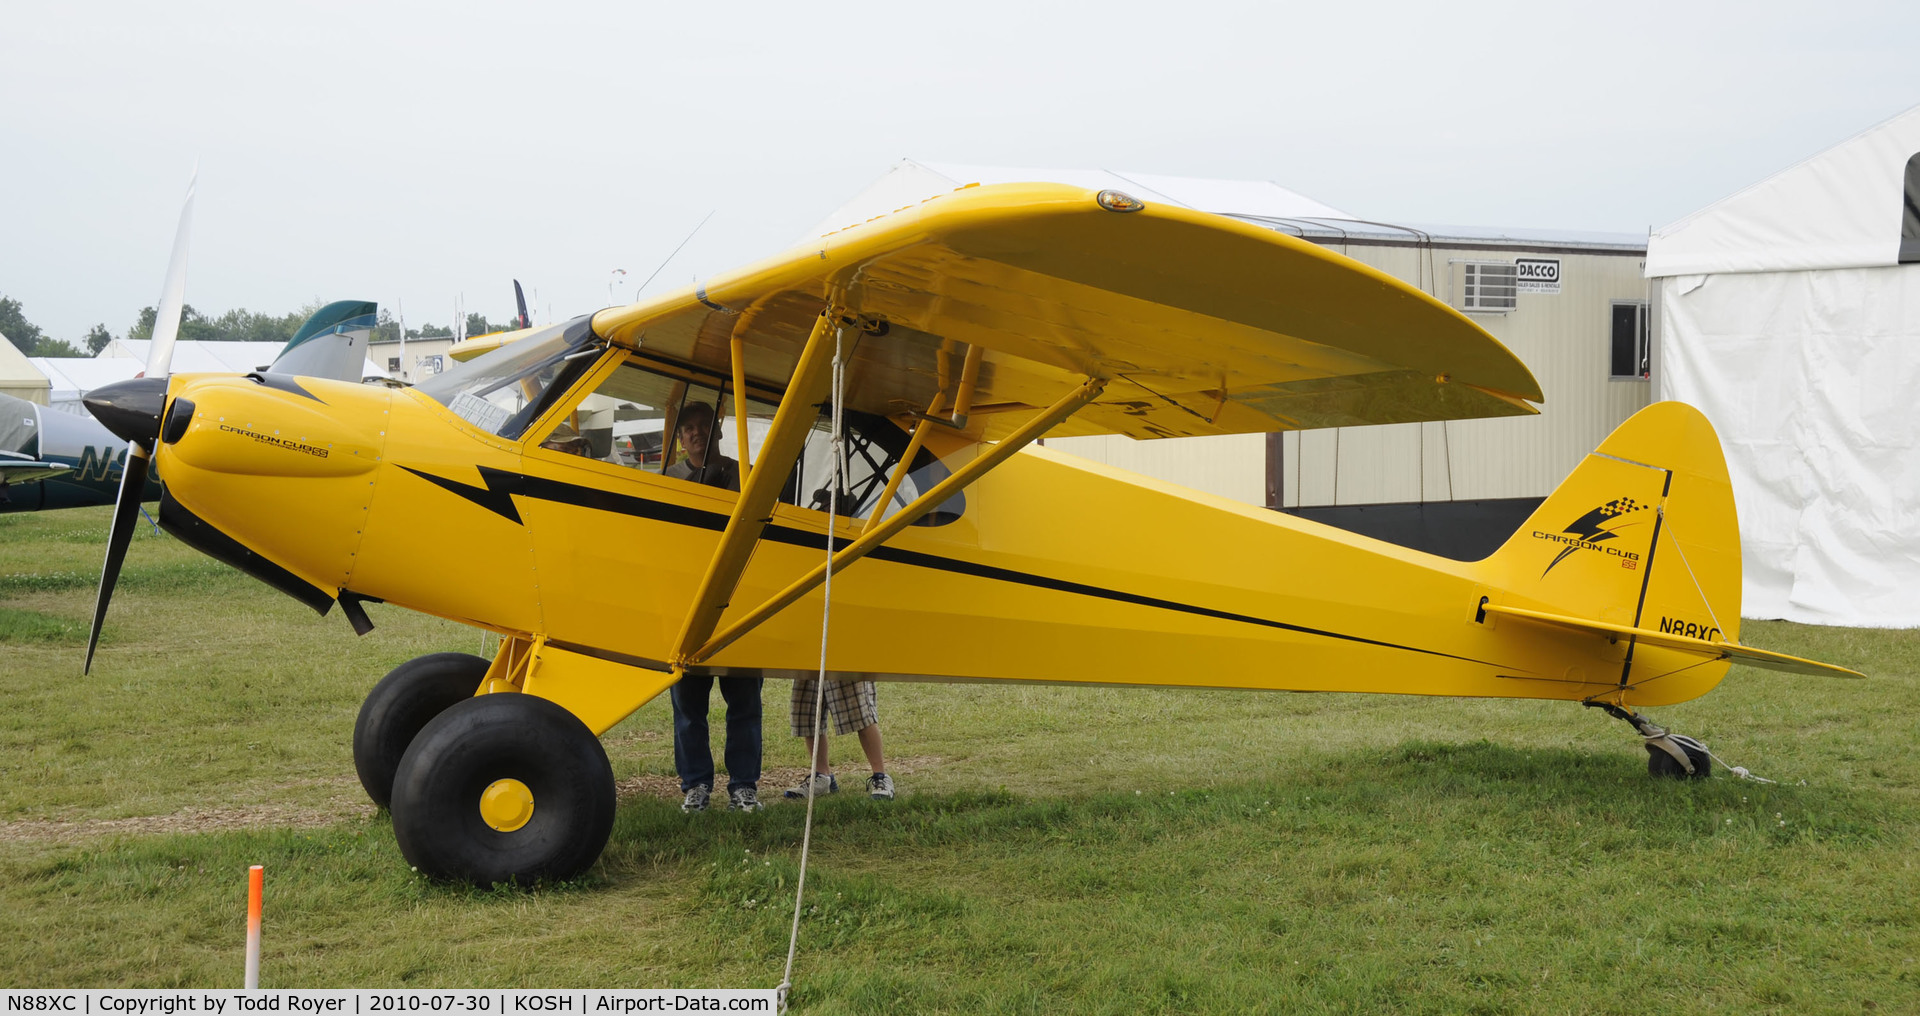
{"type": "Point", "coordinates": [1537, 275]}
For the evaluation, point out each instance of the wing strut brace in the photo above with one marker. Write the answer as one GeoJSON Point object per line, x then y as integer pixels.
{"type": "Point", "coordinates": [754, 508]}
{"type": "Point", "coordinates": [753, 511]}
{"type": "Point", "coordinates": [962, 407]}
{"type": "Point", "coordinates": [876, 535]}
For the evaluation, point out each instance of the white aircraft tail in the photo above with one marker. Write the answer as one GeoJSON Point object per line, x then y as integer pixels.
{"type": "Point", "coordinates": [331, 344]}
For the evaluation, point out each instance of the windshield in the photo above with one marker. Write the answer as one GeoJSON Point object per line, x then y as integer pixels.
{"type": "Point", "coordinates": [505, 390]}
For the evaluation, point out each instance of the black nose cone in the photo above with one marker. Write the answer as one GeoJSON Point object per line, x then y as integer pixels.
{"type": "Point", "coordinates": [131, 409]}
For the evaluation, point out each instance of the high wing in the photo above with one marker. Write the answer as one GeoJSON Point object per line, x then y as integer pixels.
{"type": "Point", "coordinates": [1201, 324]}
{"type": "Point", "coordinates": [1765, 659]}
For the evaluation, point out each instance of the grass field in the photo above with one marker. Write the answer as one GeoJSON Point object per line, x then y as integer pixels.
{"type": "Point", "coordinates": [1054, 850]}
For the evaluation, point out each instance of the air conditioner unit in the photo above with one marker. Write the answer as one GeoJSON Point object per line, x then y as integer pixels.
{"type": "Point", "coordinates": [1485, 287]}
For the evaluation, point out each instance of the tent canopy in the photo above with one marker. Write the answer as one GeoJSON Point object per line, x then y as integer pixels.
{"type": "Point", "coordinates": [18, 377]}
{"type": "Point", "coordinates": [1787, 317]}
{"type": "Point", "coordinates": [1842, 208]}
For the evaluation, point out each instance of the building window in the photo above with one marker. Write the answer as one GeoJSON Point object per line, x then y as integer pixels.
{"type": "Point", "coordinates": [1629, 347]}
{"type": "Point", "coordinates": [393, 365]}
{"type": "Point", "coordinates": [1487, 286]}
{"type": "Point", "coordinates": [1910, 214]}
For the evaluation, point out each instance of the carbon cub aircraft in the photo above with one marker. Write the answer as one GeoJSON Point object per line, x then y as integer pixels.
{"type": "Point", "coordinates": [925, 351]}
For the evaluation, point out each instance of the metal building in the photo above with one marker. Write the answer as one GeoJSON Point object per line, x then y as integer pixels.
{"type": "Point", "coordinates": [1573, 306]}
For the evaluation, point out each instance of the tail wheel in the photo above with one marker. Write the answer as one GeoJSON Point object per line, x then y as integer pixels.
{"type": "Point", "coordinates": [501, 788]}
{"type": "Point", "coordinates": [400, 705]}
{"type": "Point", "coordinates": [1660, 763]}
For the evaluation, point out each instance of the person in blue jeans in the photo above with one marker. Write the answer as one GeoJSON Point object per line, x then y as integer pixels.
{"type": "Point", "coordinates": [693, 753]}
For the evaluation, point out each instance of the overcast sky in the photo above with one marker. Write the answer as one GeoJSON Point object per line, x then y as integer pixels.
{"type": "Point", "coordinates": [418, 155]}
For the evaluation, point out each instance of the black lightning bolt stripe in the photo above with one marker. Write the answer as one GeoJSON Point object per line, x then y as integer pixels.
{"type": "Point", "coordinates": [1588, 527]}
{"type": "Point", "coordinates": [283, 382]}
{"type": "Point", "coordinates": [500, 486]}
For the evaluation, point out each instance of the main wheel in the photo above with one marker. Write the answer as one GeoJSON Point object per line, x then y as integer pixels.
{"type": "Point", "coordinates": [1661, 764]}
{"type": "Point", "coordinates": [410, 695]}
{"type": "Point", "coordinates": [503, 787]}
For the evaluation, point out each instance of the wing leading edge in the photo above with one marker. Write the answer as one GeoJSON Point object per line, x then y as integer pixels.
{"type": "Point", "coordinates": [1201, 324]}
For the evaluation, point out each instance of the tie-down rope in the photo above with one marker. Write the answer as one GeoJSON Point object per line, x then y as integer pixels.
{"type": "Point", "coordinates": [1673, 535]}
{"type": "Point", "coordinates": [834, 478]}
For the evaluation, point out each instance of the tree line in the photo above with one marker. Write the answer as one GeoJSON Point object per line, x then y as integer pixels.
{"type": "Point", "coordinates": [240, 325]}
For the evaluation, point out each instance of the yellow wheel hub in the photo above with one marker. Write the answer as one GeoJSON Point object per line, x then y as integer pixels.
{"type": "Point", "coordinates": [506, 805]}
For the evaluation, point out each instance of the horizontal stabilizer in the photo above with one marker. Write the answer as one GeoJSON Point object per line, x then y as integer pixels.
{"type": "Point", "coordinates": [14, 469]}
{"type": "Point", "coordinates": [1666, 640]}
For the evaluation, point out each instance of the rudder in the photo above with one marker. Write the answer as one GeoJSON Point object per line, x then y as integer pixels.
{"type": "Point", "coordinates": [1642, 533]}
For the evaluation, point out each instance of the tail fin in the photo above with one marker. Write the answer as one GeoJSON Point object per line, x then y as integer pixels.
{"type": "Point", "coordinates": [332, 343]}
{"type": "Point", "coordinates": [1642, 535]}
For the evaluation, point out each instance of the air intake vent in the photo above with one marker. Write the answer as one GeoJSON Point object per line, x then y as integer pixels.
{"type": "Point", "coordinates": [1486, 286]}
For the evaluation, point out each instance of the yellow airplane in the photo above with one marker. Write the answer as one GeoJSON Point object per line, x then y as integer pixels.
{"type": "Point", "coordinates": [945, 338]}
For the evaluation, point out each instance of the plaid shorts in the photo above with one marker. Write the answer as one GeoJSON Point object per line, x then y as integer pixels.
{"type": "Point", "coordinates": [854, 705]}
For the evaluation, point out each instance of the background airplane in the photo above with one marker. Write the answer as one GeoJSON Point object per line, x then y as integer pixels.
{"type": "Point", "coordinates": [51, 459]}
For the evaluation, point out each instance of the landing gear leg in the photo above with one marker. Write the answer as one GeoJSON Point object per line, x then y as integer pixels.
{"type": "Point", "coordinates": [1676, 756]}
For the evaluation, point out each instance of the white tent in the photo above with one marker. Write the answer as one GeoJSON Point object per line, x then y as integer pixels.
{"type": "Point", "coordinates": [18, 377]}
{"type": "Point", "coordinates": [1788, 317]}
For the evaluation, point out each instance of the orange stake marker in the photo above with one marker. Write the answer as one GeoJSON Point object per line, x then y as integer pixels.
{"type": "Point", "coordinates": [256, 876]}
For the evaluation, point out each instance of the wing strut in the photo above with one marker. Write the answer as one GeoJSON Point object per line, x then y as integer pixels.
{"type": "Point", "coordinates": [739, 402]}
{"type": "Point", "coordinates": [906, 459]}
{"type": "Point", "coordinates": [754, 508]}
{"type": "Point", "coordinates": [874, 536]}
{"type": "Point", "coordinates": [962, 408]}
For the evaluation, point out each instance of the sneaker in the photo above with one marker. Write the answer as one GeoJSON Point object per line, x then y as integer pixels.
{"type": "Point", "coordinates": [823, 784]}
{"type": "Point", "coordinates": [696, 799]}
{"type": "Point", "coordinates": [743, 799]}
{"type": "Point", "coordinates": [880, 787]}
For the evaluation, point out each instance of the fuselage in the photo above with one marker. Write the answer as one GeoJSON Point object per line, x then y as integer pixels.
{"type": "Point", "coordinates": [1057, 570]}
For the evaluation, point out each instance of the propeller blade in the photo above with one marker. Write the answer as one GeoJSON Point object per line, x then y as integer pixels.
{"type": "Point", "coordinates": [126, 513]}
{"type": "Point", "coordinates": [166, 322]}
{"type": "Point", "coordinates": [132, 409]}
{"type": "Point", "coordinates": [520, 299]}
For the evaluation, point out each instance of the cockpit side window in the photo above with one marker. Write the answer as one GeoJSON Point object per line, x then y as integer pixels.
{"type": "Point", "coordinates": [873, 444]}
{"type": "Point", "coordinates": [649, 420]}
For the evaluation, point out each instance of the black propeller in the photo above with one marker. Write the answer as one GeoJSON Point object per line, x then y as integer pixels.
{"type": "Point", "coordinates": [132, 410]}
{"type": "Point", "coordinates": [133, 483]}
